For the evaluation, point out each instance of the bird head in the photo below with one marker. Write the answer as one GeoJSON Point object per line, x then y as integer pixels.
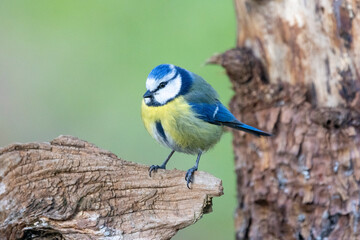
{"type": "Point", "coordinates": [166, 82]}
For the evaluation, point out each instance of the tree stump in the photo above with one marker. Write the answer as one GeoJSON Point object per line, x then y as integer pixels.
{"type": "Point", "coordinates": [296, 73]}
{"type": "Point", "coordinates": [71, 189]}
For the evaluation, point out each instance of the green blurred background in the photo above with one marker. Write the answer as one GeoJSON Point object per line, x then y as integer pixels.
{"type": "Point", "coordinates": [79, 67]}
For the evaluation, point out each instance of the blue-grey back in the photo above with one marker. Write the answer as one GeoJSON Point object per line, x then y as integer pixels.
{"type": "Point", "coordinates": [201, 91]}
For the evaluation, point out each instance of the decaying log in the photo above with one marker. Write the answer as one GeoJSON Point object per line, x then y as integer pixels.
{"type": "Point", "coordinates": [296, 73]}
{"type": "Point", "coordinates": [71, 189]}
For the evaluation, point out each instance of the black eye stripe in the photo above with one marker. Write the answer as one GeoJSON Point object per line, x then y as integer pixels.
{"type": "Point", "coordinates": [163, 84]}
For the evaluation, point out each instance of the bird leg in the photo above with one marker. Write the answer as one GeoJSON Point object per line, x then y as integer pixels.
{"type": "Point", "coordinates": [190, 172]}
{"type": "Point", "coordinates": [162, 166]}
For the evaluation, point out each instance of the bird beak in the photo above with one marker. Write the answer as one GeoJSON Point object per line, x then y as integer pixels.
{"type": "Point", "coordinates": [148, 94]}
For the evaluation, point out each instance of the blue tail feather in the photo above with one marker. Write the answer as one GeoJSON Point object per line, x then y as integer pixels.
{"type": "Point", "coordinates": [218, 114]}
{"type": "Point", "coordinates": [246, 128]}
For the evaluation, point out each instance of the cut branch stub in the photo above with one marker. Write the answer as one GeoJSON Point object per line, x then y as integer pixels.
{"type": "Point", "coordinates": [72, 189]}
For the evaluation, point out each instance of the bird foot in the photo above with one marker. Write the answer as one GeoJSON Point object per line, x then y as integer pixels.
{"type": "Point", "coordinates": [189, 175]}
{"type": "Point", "coordinates": [155, 168]}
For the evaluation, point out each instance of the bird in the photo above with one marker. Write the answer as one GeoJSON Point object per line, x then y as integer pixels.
{"type": "Point", "coordinates": [183, 112]}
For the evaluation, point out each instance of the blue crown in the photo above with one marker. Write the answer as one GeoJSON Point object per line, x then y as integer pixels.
{"type": "Point", "coordinates": [160, 71]}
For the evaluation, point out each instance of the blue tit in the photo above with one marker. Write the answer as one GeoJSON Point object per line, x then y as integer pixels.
{"type": "Point", "coordinates": [183, 112]}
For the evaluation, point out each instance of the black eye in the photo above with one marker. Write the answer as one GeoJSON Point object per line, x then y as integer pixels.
{"type": "Point", "coordinates": [162, 85]}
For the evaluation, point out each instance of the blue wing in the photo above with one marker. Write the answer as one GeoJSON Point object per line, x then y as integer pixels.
{"type": "Point", "coordinates": [218, 114]}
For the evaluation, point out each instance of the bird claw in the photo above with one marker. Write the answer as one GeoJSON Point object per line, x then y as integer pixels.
{"type": "Point", "coordinates": [189, 175]}
{"type": "Point", "coordinates": [155, 168]}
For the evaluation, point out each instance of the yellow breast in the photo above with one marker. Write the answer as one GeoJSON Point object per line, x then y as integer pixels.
{"type": "Point", "coordinates": [184, 130]}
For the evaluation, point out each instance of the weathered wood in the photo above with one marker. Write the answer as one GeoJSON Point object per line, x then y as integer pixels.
{"type": "Point", "coordinates": [296, 73]}
{"type": "Point", "coordinates": [71, 189]}
{"type": "Point", "coordinates": [316, 43]}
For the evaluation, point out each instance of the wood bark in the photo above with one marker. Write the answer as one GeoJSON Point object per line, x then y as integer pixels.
{"type": "Point", "coordinates": [296, 73]}
{"type": "Point", "coordinates": [71, 189]}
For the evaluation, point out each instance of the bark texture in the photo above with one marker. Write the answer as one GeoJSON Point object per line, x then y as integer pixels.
{"type": "Point", "coordinates": [71, 189]}
{"type": "Point", "coordinates": [295, 73]}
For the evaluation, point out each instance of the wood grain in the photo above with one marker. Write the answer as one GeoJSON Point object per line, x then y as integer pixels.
{"type": "Point", "coordinates": [71, 189]}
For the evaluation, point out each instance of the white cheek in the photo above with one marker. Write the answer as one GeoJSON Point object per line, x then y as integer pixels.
{"type": "Point", "coordinates": [169, 92]}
